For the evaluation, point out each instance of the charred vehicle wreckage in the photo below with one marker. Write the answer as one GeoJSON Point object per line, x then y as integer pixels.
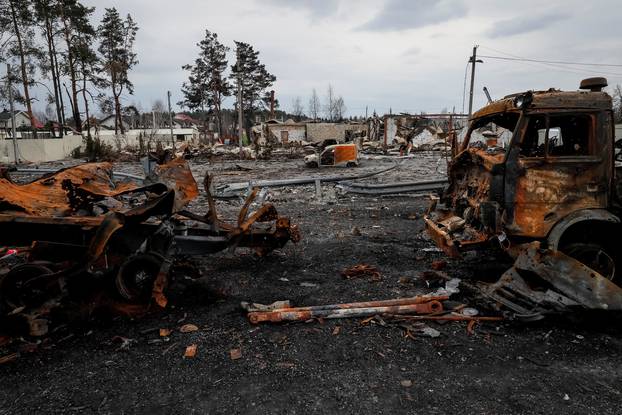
{"type": "Point", "coordinates": [76, 241]}
{"type": "Point", "coordinates": [550, 199]}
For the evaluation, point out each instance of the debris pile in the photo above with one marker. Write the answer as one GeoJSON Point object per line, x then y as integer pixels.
{"type": "Point", "coordinates": [76, 241]}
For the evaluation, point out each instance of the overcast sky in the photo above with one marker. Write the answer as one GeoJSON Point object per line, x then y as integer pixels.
{"type": "Point", "coordinates": [407, 55]}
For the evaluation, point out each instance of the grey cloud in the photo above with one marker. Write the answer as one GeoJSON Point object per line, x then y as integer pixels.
{"type": "Point", "coordinates": [410, 14]}
{"type": "Point", "coordinates": [316, 8]}
{"type": "Point", "coordinates": [412, 51]}
{"type": "Point", "coordinates": [522, 25]}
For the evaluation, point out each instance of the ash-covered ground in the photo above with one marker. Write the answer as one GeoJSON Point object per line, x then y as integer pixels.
{"type": "Point", "coordinates": [563, 365]}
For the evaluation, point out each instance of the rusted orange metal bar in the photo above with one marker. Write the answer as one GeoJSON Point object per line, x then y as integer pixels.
{"type": "Point", "coordinates": [366, 304]}
{"type": "Point", "coordinates": [342, 311]}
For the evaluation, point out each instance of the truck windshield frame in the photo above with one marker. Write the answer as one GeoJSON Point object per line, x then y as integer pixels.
{"type": "Point", "coordinates": [507, 120]}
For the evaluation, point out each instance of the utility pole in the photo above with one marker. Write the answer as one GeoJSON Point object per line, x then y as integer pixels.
{"type": "Point", "coordinates": [240, 136]}
{"type": "Point", "coordinates": [13, 130]}
{"type": "Point", "coordinates": [473, 60]}
{"type": "Point", "coordinates": [365, 111]}
{"type": "Point", "coordinates": [170, 119]}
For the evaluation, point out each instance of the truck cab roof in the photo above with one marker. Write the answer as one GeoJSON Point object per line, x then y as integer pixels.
{"type": "Point", "coordinates": [551, 99]}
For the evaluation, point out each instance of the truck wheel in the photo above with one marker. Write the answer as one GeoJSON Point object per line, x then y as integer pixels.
{"type": "Point", "coordinates": [135, 278]}
{"type": "Point", "coordinates": [594, 255]}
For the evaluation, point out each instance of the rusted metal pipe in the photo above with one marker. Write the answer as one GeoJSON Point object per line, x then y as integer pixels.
{"type": "Point", "coordinates": [295, 314]}
{"type": "Point", "coordinates": [367, 304]}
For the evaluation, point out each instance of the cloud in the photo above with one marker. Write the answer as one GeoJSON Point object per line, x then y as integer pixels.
{"type": "Point", "coordinates": [316, 8]}
{"type": "Point", "coordinates": [412, 51]}
{"type": "Point", "coordinates": [410, 14]}
{"type": "Point", "coordinates": [522, 25]}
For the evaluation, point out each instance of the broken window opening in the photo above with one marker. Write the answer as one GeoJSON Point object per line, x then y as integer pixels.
{"type": "Point", "coordinates": [503, 125]}
{"type": "Point", "coordinates": [564, 135]}
{"type": "Point", "coordinates": [328, 157]}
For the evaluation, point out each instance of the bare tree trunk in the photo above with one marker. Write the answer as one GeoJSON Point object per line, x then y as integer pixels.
{"type": "Point", "coordinates": [49, 35]}
{"type": "Point", "coordinates": [60, 91]}
{"type": "Point", "coordinates": [72, 77]}
{"type": "Point", "coordinates": [23, 68]}
{"type": "Point", "coordinates": [117, 110]}
{"type": "Point", "coordinates": [86, 103]}
{"type": "Point", "coordinates": [69, 97]}
{"type": "Point", "coordinates": [219, 119]}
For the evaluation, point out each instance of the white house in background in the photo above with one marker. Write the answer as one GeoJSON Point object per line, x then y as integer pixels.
{"type": "Point", "coordinates": [182, 120]}
{"type": "Point", "coordinates": [21, 120]}
{"type": "Point", "coordinates": [107, 122]}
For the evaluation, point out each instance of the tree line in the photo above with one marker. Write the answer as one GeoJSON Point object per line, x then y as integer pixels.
{"type": "Point", "coordinates": [211, 80]}
{"type": "Point", "coordinates": [209, 83]}
{"type": "Point", "coordinates": [334, 107]}
{"type": "Point", "coordinates": [53, 44]}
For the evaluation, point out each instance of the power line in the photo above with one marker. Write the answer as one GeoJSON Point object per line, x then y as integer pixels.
{"type": "Point", "coordinates": [554, 62]}
{"type": "Point", "coordinates": [544, 63]}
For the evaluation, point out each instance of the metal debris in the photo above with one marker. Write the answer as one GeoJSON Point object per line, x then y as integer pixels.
{"type": "Point", "coordinates": [413, 305]}
{"type": "Point", "coordinates": [362, 270]}
{"type": "Point", "coordinates": [79, 241]}
{"type": "Point", "coordinates": [393, 188]}
{"type": "Point", "coordinates": [237, 189]}
{"type": "Point", "coordinates": [191, 351]}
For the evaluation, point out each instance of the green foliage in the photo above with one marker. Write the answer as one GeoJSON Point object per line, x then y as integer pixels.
{"type": "Point", "coordinates": [207, 84]}
{"type": "Point", "coordinates": [95, 150]}
{"type": "Point", "coordinates": [253, 77]}
{"type": "Point", "coordinates": [116, 48]}
{"type": "Point", "coordinates": [117, 56]}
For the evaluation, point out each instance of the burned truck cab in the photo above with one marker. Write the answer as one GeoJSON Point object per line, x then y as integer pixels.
{"type": "Point", "coordinates": [549, 178]}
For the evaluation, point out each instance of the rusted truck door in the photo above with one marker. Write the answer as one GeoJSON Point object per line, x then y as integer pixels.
{"type": "Point", "coordinates": [562, 167]}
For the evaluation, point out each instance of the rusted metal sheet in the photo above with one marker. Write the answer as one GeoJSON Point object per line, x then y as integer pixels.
{"type": "Point", "coordinates": [177, 175]}
{"type": "Point", "coordinates": [47, 196]}
{"type": "Point", "coordinates": [442, 239]}
{"type": "Point", "coordinates": [571, 278]}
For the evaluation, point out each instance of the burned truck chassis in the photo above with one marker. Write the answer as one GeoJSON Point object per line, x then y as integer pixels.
{"type": "Point", "coordinates": [549, 201]}
{"type": "Point", "coordinates": [59, 268]}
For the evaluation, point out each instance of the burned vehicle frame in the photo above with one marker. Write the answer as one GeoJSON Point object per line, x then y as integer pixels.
{"type": "Point", "coordinates": [76, 241]}
{"type": "Point", "coordinates": [549, 199]}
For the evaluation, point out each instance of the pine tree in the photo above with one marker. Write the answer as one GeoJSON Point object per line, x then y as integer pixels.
{"type": "Point", "coordinates": [76, 28]}
{"type": "Point", "coordinates": [249, 73]}
{"type": "Point", "coordinates": [207, 85]}
{"type": "Point", "coordinates": [47, 17]}
{"type": "Point", "coordinates": [87, 62]}
{"type": "Point", "coordinates": [18, 22]}
{"type": "Point", "coordinates": [116, 48]}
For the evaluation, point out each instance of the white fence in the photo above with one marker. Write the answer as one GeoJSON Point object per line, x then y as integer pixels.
{"type": "Point", "coordinates": [132, 137]}
{"type": "Point", "coordinates": [52, 149]}
{"type": "Point", "coordinates": [40, 149]}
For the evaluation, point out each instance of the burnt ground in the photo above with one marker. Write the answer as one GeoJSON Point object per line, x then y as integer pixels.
{"type": "Point", "coordinates": [562, 365]}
